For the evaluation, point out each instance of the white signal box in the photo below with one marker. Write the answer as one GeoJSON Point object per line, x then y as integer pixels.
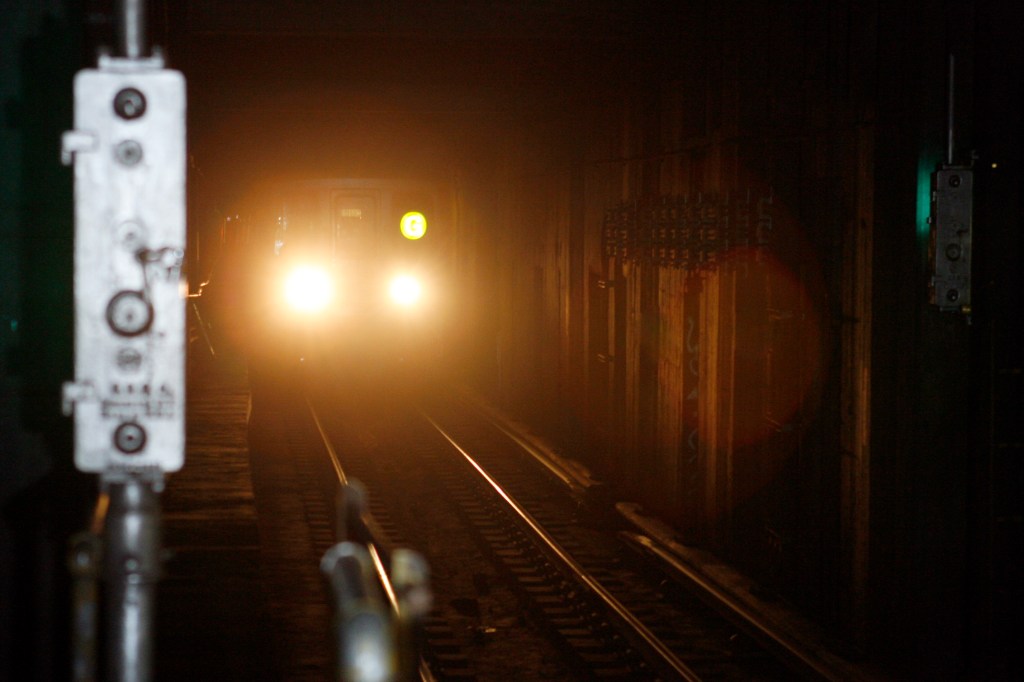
{"type": "Point", "coordinates": [128, 151]}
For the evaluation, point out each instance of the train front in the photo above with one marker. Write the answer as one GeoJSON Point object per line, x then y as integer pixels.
{"type": "Point", "coordinates": [354, 278]}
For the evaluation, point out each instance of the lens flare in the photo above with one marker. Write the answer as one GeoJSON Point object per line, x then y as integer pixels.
{"type": "Point", "coordinates": [405, 290]}
{"type": "Point", "coordinates": [308, 289]}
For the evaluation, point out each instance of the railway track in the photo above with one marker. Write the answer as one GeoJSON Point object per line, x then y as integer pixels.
{"type": "Point", "coordinates": [531, 581]}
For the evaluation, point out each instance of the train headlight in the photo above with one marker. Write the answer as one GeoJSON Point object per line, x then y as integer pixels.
{"type": "Point", "coordinates": [405, 291]}
{"type": "Point", "coordinates": [308, 289]}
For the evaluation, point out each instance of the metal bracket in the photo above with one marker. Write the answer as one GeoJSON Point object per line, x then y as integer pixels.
{"type": "Point", "coordinates": [952, 209]}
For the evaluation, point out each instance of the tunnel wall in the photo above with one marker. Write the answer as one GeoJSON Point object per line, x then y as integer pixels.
{"type": "Point", "coordinates": [777, 398]}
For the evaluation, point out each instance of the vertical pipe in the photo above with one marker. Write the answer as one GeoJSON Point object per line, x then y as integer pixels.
{"type": "Point", "coordinates": [950, 114]}
{"type": "Point", "coordinates": [84, 559]}
{"type": "Point", "coordinates": [83, 562]}
{"type": "Point", "coordinates": [131, 569]}
{"type": "Point", "coordinates": [132, 25]}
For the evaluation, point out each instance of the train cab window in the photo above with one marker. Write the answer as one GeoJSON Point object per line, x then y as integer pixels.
{"type": "Point", "coordinates": [355, 217]}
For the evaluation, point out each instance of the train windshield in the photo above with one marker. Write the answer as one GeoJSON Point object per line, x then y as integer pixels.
{"type": "Point", "coordinates": [355, 218]}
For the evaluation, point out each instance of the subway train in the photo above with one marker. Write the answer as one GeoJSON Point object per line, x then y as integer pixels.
{"type": "Point", "coordinates": [340, 270]}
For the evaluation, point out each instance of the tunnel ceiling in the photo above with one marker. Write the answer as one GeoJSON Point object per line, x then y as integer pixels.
{"type": "Point", "coordinates": [478, 19]}
{"type": "Point", "coordinates": [388, 47]}
{"type": "Point", "coordinates": [293, 84]}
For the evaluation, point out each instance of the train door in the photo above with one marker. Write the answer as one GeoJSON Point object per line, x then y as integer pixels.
{"type": "Point", "coordinates": [354, 220]}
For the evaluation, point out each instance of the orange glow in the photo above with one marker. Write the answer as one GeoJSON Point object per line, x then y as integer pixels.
{"type": "Point", "coordinates": [778, 350]}
{"type": "Point", "coordinates": [308, 289]}
{"type": "Point", "coordinates": [775, 362]}
{"type": "Point", "coordinates": [405, 290]}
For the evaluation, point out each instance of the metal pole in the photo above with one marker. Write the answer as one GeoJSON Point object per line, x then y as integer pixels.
{"type": "Point", "coordinates": [83, 561]}
{"type": "Point", "coordinates": [951, 114]}
{"type": "Point", "coordinates": [131, 570]}
{"type": "Point", "coordinates": [132, 27]}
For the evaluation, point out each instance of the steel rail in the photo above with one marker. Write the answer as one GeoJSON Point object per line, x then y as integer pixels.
{"type": "Point", "coordinates": [571, 477]}
{"type": "Point", "coordinates": [646, 638]}
{"type": "Point", "coordinates": [202, 325]}
{"type": "Point", "coordinates": [742, 617]}
{"type": "Point", "coordinates": [425, 674]}
{"type": "Point", "coordinates": [811, 660]}
{"type": "Point", "coordinates": [335, 462]}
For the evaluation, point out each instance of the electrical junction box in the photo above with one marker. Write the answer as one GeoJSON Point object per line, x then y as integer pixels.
{"type": "Point", "coordinates": [128, 151]}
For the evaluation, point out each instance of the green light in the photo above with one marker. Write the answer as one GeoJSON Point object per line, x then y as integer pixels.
{"type": "Point", "coordinates": [413, 225]}
{"type": "Point", "coordinates": [926, 165]}
{"type": "Point", "coordinates": [925, 169]}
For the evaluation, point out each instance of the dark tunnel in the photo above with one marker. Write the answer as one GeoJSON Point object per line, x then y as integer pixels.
{"type": "Point", "coordinates": [690, 242]}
